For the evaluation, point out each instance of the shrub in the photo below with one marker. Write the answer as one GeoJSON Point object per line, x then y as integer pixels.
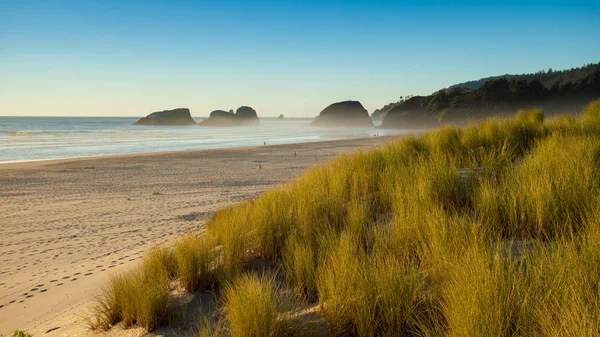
{"type": "Point", "coordinates": [252, 307]}
{"type": "Point", "coordinates": [194, 258]}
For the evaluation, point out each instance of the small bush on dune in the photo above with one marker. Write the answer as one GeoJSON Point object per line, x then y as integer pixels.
{"type": "Point", "coordinates": [138, 297]}
{"type": "Point", "coordinates": [230, 229]}
{"type": "Point", "coordinates": [300, 267]}
{"type": "Point", "coordinates": [194, 258]}
{"type": "Point", "coordinates": [272, 220]}
{"type": "Point", "coordinates": [108, 309]}
{"type": "Point", "coordinates": [253, 305]}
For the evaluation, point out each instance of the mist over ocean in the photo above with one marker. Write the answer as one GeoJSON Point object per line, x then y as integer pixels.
{"type": "Point", "coordinates": [41, 138]}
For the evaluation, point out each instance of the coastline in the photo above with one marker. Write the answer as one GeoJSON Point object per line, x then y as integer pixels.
{"type": "Point", "coordinates": [17, 163]}
{"type": "Point", "coordinates": [70, 224]}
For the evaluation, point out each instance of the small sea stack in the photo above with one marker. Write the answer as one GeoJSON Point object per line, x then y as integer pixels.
{"type": "Point", "coordinates": [175, 117]}
{"type": "Point", "coordinates": [243, 116]}
{"type": "Point", "coordinates": [349, 114]}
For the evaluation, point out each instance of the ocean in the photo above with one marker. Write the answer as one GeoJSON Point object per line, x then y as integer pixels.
{"type": "Point", "coordinates": [43, 138]}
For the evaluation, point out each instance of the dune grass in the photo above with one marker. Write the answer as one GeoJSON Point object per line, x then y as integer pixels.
{"type": "Point", "coordinates": [493, 229]}
{"type": "Point", "coordinates": [19, 333]}
{"type": "Point", "coordinates": [253, 306]}
{"type": "Point", "coordinates": [138, 297]}
{"type": "Point", "coordinates": [194, 257]}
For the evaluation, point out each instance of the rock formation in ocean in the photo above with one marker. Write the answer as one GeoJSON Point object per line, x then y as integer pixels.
{"type": "Point", "coordinates": [243, 116]}
{"type": "Point", "coordinates": [175, 117]}
{"type": "Point", "coordinates": [349, 114]}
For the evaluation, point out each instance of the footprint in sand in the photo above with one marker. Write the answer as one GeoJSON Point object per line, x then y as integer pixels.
{"type": "Point", "coordinates": [28, 296]}
{"type": "Point", "coordinates": [33, 289]}
{"type": "Point", "coordinates": [66, 277]}
{"type": "Point", "coordinates": [76, 274]}
{"type": "Point", "coordinates": [74, 279]}
{"type": "Point", "coordinates": [88, 274]}
{"type": "Point", "coordinates": [43, 290]}
{"type": "Point", "coordinates": [13, 301]}
{"type": "Point", "coordinates": [52, 281]}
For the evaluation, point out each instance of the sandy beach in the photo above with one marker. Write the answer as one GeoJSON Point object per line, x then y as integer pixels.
{"type": "Point", "coordinates": [67, 225]}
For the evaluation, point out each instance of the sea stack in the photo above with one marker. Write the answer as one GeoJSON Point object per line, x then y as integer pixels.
{"type": "Point", "coordinates": [349, 114]}
{"type": "Point", "coordinates": [243, 116]}
{"type": "Point", "coordinates": [175, 117]}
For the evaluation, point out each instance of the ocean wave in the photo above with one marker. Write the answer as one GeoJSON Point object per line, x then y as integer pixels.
{"type": "Point", "coordinates": [40, 133]}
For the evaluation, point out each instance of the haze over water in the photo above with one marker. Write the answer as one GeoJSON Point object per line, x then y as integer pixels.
{"type": "Point", "coordinates": [41, 138]}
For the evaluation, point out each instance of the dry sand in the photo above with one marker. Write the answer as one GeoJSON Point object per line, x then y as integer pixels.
{"type": "Point", "coordinates": [66, 225]}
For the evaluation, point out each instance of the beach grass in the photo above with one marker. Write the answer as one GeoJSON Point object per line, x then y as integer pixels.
{"type": "Point", "coordinates": [492, 229]}
{"type": "Point", "coordinates": [20, 333]}
{"type": "Point", "coordinates": [253, 306]}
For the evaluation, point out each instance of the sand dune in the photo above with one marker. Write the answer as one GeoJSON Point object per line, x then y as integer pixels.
{"type": "Point", "coordinates": [67, 225]}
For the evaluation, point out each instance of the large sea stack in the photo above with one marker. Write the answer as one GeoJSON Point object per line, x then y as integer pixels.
{"type": "Point", "coordinates": [244, 115]}
{"type": "Point", "coordinates": [350, 114]}
{"type": "Point", "coordinates": [175, 117]}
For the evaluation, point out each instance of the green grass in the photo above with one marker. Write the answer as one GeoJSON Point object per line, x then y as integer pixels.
{"type": "Point", "coordinates": [493, 229]}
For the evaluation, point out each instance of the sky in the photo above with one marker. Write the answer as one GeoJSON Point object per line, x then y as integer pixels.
{"type": "Point", "coordinates": [130, 58]}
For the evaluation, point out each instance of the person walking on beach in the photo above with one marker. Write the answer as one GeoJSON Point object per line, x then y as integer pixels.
{"type": "Point", "coordinates": [259, 167]}
{"type": "Point", "coordinates": [294, 154]}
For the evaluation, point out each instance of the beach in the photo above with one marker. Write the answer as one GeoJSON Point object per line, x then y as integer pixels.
{"type": "Point", "coordinates": [67, 225]}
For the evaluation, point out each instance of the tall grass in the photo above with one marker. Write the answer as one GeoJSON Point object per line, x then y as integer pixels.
{"type": "Point", "coordinates": [194, 257]}
{"type": "Point", "coordinates": [493, 229]}
{"type": "Point", "coordinates": [549, 194]}
{"type": "Point", "coordinates": [253, 306]}
{"type": "Point", "coordinates": [138, 297]}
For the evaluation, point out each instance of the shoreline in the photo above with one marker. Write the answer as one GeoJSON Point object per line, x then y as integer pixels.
{"type": "Point", "coordinates": [70, 224]}
{"type": "Point", "coordinates": [66, 159]}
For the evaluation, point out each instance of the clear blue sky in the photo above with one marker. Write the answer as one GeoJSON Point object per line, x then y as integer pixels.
{"type": "Point", "coordinates": [129, 58]}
